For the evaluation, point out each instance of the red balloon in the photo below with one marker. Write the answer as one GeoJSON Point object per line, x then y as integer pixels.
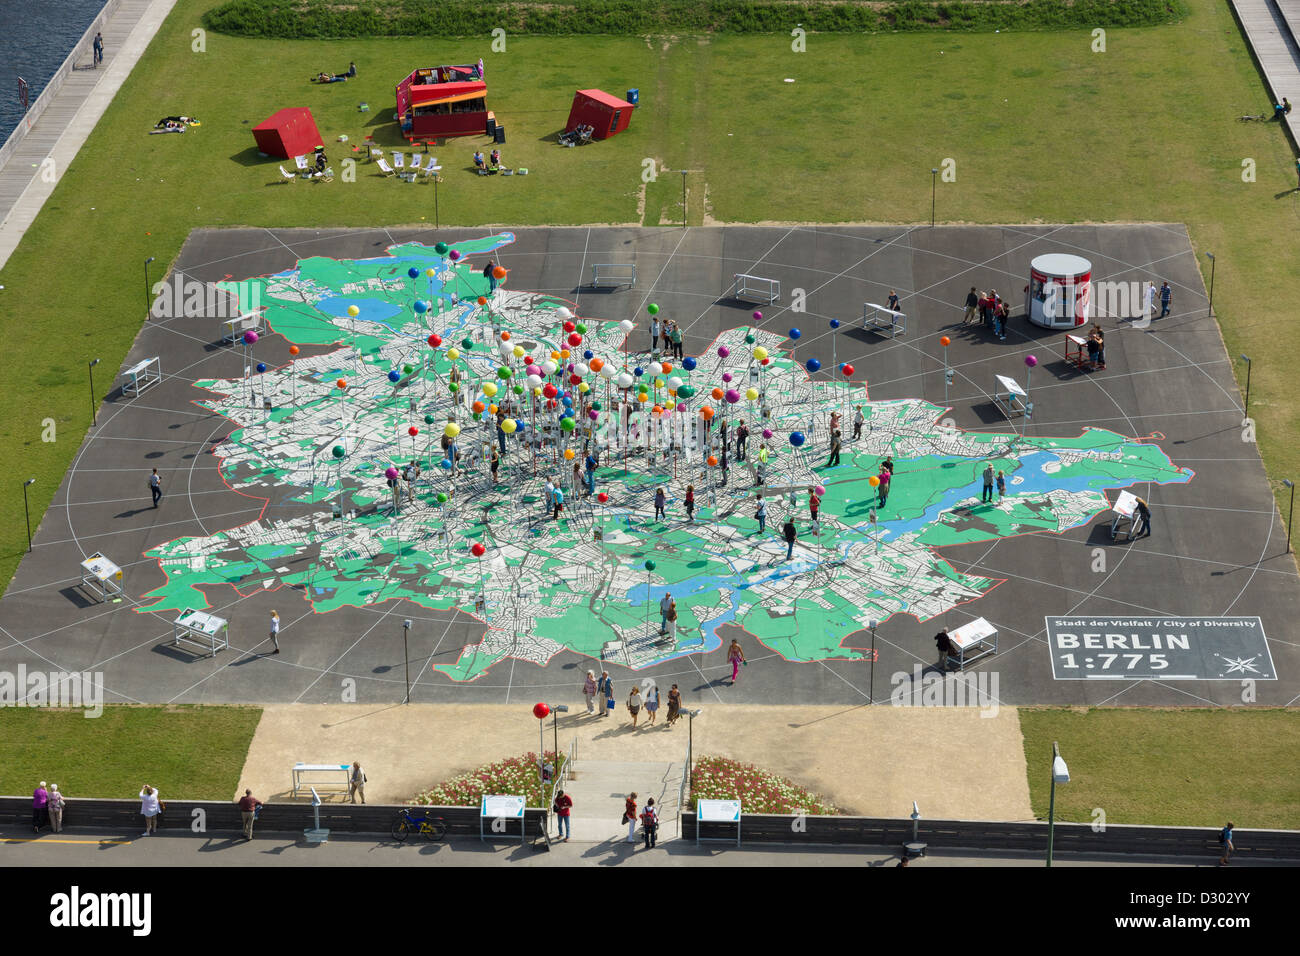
{"type": "Point", "coordinates": [435, 340]}
{"type": "Point", "coordinates": [528, 360]}
{"type": "Point", "coordinates": [602, 497]}
{"type": "Point", "coordinates": [575, 339]}
{"type": "Point", "coordinates": [413, 431]}
{"type": "Point", "coordinates": [541, 711]}
{"type": "Point", "coordinates": [575, 379]}
{"type": "Point", "coordinates": [569, 326]}
{"type": "Point", "coordinates": [549, 390]}
{"type": "Point", "coordinates": [766, 360]}
{"type": "Point", "coordinates": [848, 370]}
{"type": "Point", "coordinates": [478, 549]}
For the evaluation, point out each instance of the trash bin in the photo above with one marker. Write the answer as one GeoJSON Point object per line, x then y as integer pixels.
{"type": "Point", "coordinates": [633, 96]}
{"type": "Point", "coordinates": [499, 134]}
{"type": "Point", "coordinates": [491, 123]}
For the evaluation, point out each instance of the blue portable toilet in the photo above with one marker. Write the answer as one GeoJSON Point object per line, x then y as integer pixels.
{"type": "Point", "coordinates": [633, 96]}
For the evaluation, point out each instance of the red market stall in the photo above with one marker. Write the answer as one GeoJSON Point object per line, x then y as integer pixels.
{"type": "Point", "coordinates": [290, 132]}
{"type": "Point", "coordinates": [605, 114]}
{"type": "Point", "coordinates": [443, 101]}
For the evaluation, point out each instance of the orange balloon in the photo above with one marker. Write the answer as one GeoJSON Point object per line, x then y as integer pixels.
{"type": "Point", "coordinates": [342, 383]}
{"type": "Point", "coordinates": [293, 350]}
{"type": "Point", "coordinates": [657, 410]}
{"type": "Point", "coordinates": [505, 336]}
{"type": "Point", "coordinates": [707, 412]}
{"type": "Point", "coordinates": [498, 273]}
{"type": "Point", "coordinates": [668, 369]}
{"type": "Point", "coordinates": [873, 481]}
{"type": "Point", "coordinates": [478, 407]}
{"type": "Point", "coordinates": [716, 393]}
{"type": "Point", "coordinates": [596, 364]}
{"type": "Point", "coordinates": [564, 353]}
{"type": "Point", "coordinates": [555, 356]}
{"type": "Point", "coordinates": [482, 300]}
{"type": "Point", "coordinates": [642, 397]}
{"type": "Point", "coordinates": [945, 341]}
{"type": "Point", "coordinates": [713, 461]}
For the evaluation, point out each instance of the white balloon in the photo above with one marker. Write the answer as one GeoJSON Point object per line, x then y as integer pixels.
{"type": "Point", "coordinates": [674, 382]}
{"type": "Point", "coordinates": [625, 380]}
{"type": "Point", "coordinates": [627, 325]}
{"type": "Point", "coordinates": [656, 368]}
{"type": "Point", "coordinates": [581, 369]}
{"type": "Point", "coordinates": [549, 367]}
{"type": "Point", "coordinates": [534, 381]}
{"type": "Point", "coordinates": [607, 371]}
{"type": "Point", "coordinates": [564, 312]}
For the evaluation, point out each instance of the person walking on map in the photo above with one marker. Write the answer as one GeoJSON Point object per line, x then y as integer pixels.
{"type": "Point", "coordinates": [761, 514]}
{"type": "Point", "coordinates": [589, 691]}
{"type": "Point", "coordinates": [665, 605]}
{"type": "Point", "coordinates": [275, 631]}
{"type": "Point", "coordinates": [836, 444]}
{"type": "Point", "coordinates": [736, 657]}
{"type": "Point", "coordinates": [988, 483]}
{"type": "Point", "coordinates": [605, 693]}
{"type": "Point", "coordinates": [654, 334]}
{"type": "Point", "coordinates": [742, 436]}
{"type": "Point", "coordinates": [1144, 516]}
{"type": "Point", "coordinates": [155, 487]}
{"type": "Point", "coordinates": [789, 532]}
{"type": "Point", "coordinates": [858, 421]}
{"type": "Point", "coordinates": [489, 271]}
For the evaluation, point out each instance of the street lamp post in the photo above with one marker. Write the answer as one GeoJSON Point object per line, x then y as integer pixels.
{"type": "Point", "coordinates": [27, 512]}
{"type": "Point", "coordinates": [874, 624]}
{"type": "Point", "coordinates": [94, 408]}
{"type": "Point", "coordinates": [1210, 256]}
{"type": "Point", "coordinates": [934, 180]}
{"type": "Point", "coordinates": [1245, 408]}
{"type": "Point", "coordinates": [683, 199]}
{"type": "Point", "coordinates": [690, 741]}
{"type": "Point", "coordinates": [147, 301]}
{"type": "Point", "coordinates": [406, 655]}
{"type": "Point", "coordinates": [556, 710]}
{"type": "Point", "coordinates": [1289, 513]}
{"type": "Point", "coordinates": [1060, 774]}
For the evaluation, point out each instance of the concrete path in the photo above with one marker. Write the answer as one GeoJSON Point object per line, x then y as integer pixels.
{"type": "Point", "coordinates": [1270, 27]}
{"type": "Point", "coordinates": [957, 763]}
{"type": "Point", "coordinates": [62, 129]}
{"type": "Point", "coordinates": [599, 792]}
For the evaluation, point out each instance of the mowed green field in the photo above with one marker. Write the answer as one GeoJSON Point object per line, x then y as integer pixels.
{"type": "Point", "coordinates": [1039, 127]}
{"type": "Point", "coordinates": [1198, 767]}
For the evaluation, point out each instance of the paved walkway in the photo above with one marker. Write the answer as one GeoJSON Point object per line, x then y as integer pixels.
{"type": "Point", "coordinates": [62, 129]}
{"type": "Point", "coordinates": [1272, 29]}
{"type": "Point", "coordinates": [599, 790]}
{"type": "Point", "coordinates": [871, 761]}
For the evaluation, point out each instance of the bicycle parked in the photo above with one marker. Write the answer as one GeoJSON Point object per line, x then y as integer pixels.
{"type": "Point", "coordinates": [412, 820]}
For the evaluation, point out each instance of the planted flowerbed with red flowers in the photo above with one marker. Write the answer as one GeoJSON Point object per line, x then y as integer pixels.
{"type": "Point", "coordinates": [759, 791]}
{"type": "Point", "coordinates": [515, 775]}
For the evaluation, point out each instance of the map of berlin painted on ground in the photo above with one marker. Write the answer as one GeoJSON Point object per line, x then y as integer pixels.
{"type": "Point", "coordinates": [543, 586]}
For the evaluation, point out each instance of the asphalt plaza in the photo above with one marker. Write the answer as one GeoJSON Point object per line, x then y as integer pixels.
{"type": "Point", "coordinates": [1218, 547]}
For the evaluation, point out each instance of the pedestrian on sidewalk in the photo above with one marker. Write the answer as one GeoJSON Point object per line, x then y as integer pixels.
{"type": "Point", "coordinates": [652, 704]}
{"type": "Point", "coordinates": [55, 807]}
{"type": "Point", "coordinates": [589, 691]}
{"type": "Point", "coordinates": [634, 704]}
{"type": "Point", "coordinates": [650, 823]}
{"type": "Point", "coordinates": [736, 657]}
{"type": "Point", "coordinates": [98, 48]}
{"type": "Point", "coordinates": [605, 693]}
{"type": "Point", "coordinates": [858, 420]}
{"type": "Point", "coordinates": [689, 503]}
{"type": "Point", "coordinates": [788, 530]}
{"type": "Point", "coordinates": [761, 514]}
{"type": "Point", "coordinates": [249, 806]}
{"type": "Point", "coordinates": [40, 808]}
{"type": "Point", "coordinates": [275, 631]}
{"type": "Point", "coordinates": [1166, 299]}
{"type": "Point", "coordinates": [1225, 840]}
{"type": "Point", "coordinates": [562, 807]}
{"type": "Point", "coordinates": [629, 816]}
{"type": "Point", "coordinates": [674, 705]}
{"type": "Point", "coordinates": [835, 449]}
{"type": "Point", "coordinates": [660, 500]}
{"type": "Point", "coordinates": [150, 808]}
{"type": "Point", "coordinates": [155, 487]}
{"type": "Point", "coordinates": [357, 783]}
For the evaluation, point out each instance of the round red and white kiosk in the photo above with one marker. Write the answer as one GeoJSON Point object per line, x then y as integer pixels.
{"type": "Point", "coordinates": [1059, 291]}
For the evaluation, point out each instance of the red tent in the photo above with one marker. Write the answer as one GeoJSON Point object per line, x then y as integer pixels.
{"type": "Point", "coordinates": [290, 132]}
{"type": "Point", "coordinates": [606, 114]}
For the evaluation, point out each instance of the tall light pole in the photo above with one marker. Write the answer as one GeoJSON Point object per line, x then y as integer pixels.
{"type": "Point", "coordinates": [94, 407]}
{"type": "Point", "coordinates": [1245, 408]}
{"type": "Point", "coordinates": [556, 710]}
{"type": "Point", "coordinates": [28, 513]}
{"type": "Point", "coordinates": [406, 656]}
{"type": "Point", "coordinates": [1289, 513]}
{"type": "Point", "coordinates": [147, 300]}
{"type": "Point", "coordinates": [934, 180]}
{"type": "Point", "coordinates": [1210, 256]}
{"type": "Point", "coordinates": [1060, 774]}
{"type": "Point", "coordinates": [683, 199]}
{"type": "Point", "coordinates": [874, 624]}
{"type": "Point", "coordinates": [690, 741]}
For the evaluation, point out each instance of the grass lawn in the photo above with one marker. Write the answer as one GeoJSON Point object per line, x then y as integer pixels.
{"type": "Point", "coordinates": [1168, 767]}
{"type": "Point", "coordinates": [1040, 127]}
{"type": "Point", "coordinates": [188, 753]}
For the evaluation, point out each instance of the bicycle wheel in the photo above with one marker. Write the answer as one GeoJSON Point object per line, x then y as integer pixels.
{"type": "Point", "coordinates": [433, 829]}
{"type": "Point", "coordinates": [400, 829]}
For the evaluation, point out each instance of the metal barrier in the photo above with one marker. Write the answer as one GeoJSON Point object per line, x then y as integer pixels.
{"type": "Point", "coordinates": [39, 105]}
{"type": "Point", "coordinates": [756, 289]}
{"type": "Point", "coordinates": [615, 273]}
{"type": "Point", "coordinates": [557, 785]}
{"type": "Point", "coordinates": [684, 787]}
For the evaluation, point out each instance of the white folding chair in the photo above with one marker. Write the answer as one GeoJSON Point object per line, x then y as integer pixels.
{"type": "Point", "coordinates": [399, 161]}
{"type": "Point", "coordinates": [302, 162]}
{"type": "Point", "coordinates": [288, 175]}
{"type": "Point", "coordinates": [384, 167]}
{"type": "Point", "coordinates": [429, 165]}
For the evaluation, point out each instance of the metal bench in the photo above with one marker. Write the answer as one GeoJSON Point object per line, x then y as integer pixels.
{"type": "Point", "coordinates": [236, 327]}
{"type": "Point", "coordinates": [141, 375]}
{"type": "Point", "coordinates": [881, 318]}
{"type": "Point", "coordinates": [756, 289]}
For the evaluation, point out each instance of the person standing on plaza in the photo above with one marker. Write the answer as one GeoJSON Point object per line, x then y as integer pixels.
{"type": "Point", "coordinates": [834, 460]}
{"type": "Point", "coordinates": [689, 503]}
{"type": "Point", "coordinates": [835, 421]}
{"type": "Point", "coordinates": [669, 325]}
{"type": "Point", "coordinates": [988, 483]}
{"type": "Point", "coordinates": [489, 273]}
{"type": "Point", "coordinates": [1144, 516]}
{"type": "Point", "coordinates": [501, 432]}
{"type": "Point", "coordinates": [249, 805]}
{"type": "Point", "coordinates": [814, 504]}
{"type": "Point", "coordinates": [660, 500]}
{"type": "Point", "coordinates": [1101, 346]}
{"type": "Point", "coordinates": [735, 657]}
{"type": "Point", "coordinates": [1166, 299]}
{"type": "Point", "coordinates": [651, 703]}
{"type": "Point", "coordinates": [604, 693]}
{"type": "Point", "coordinates": [55, 806]}
{"type": "Point", "coordinates": [155, 487]}
{"type": "Point", "coordinates": [275, 630]}
{"type": "Point", "coordinates": [576, 483]}
{"type": "Point", "coordinates": [410, 475]}
{"type": "Point", "coordinates": [944, 644]}
{"type": "Point", "coordinates": [98, 49]}
{"type": "Point", "coordinates": [789, 533]}
{"type": "Point", "coordinates": [763, 456]}
{"type": "Point", "coordinates": [494, 465]}
{"type": "Point", "coordinates": [654, 334]}
{"type": "Point", "coordinates": [548, 495]}
{"type": "Point", "coordinates": [1002, 485]}
{"type": "Point", "coordinates": [672, 622]}
{"type": "Point", "coordinates": [1225, 841]}
{"type": "Point", "coordinates": [562, 808]}
{"type": "Point", "coordinates": [634, 704]}
{"type": "Point", "coordinates": [557, 502]}
{"type": "Point", "coordinates": [972, 302]}
{"type": "Point", "coordinates": [674, 705]}
{"type": "Point", "coordinates": [665, 604]}
{"type": "Point", "coordinates": [858, 421]}
{"type": "Point", "coordinates": [676, 338]}
{"type": "Point", "coordinates": [742, 436]}
{"type": "Point", "coordinates": [589, 691]}
{"type": "Point", "coordinates": [882, 490]}
{"type": "Point", "coordinates": [357, 783]}
{"type": "Point", "coordinates": [40, 808]}
{"type": "Point", "coordinates": [888, 464]}
{"type": "Point", "coordinates": [761, 514]}
{"type": "Point", "coordinates": [150, 808]}
{"type": "Point", "coordinates": [630, 816]}
{"type": "Point", "coordinates": [650, 823]}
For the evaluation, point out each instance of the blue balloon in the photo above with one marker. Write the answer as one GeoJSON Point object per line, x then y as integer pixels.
{"type": "Point", "coordinates": [261, 366]}
{"type": "Point", "coordinates": [589, 355]}
{"type": "Point", "coordinates": [797, 439]}
{"type": "Point", "coordinates": [413, 272]}
{"type": "Point", "coordinates": [842, 364]}
{"type": "Point", "coordinates": [689, 364]}
{"type": "Point", "coordinates": [638, 371]}
{"type": "Point", "coordinates": [394, 375]}
{"type": "Point", "coordinates": [795, 333]}
{"type": "Point", "coordinates": [420, 306]}
{"type": "Point", "coordinates": [812, 365]}
{"type": "Point", "coordinates": [445, 463]}
{"type": "Point", "coordinates": [835, 323]}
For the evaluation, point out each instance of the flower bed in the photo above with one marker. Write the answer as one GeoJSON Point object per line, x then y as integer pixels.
{"type": "Point", "coordinates": [515, 775]}
{"type": "Point", "coordinates": [759, 791]}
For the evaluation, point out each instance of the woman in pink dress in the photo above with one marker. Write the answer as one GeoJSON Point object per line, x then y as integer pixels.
{"type": "Point", "coordinates": [737, 657]}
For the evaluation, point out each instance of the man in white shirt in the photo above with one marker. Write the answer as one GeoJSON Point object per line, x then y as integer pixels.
{"type": "Point", "coordinates": [665, 604]}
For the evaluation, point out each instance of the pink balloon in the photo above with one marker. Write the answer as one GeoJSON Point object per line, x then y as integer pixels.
{"type": "Point", "coordinates": [390, 472]}
{"type": "Point", "coordinates": [1031, 360]}
{"type": "Point", "coordinates": [454, 255]}
{"type": "Point", "coordinates": [250, 337]}
{"type": "Point", "coordinates": [767, 433]}
{"type": "Point", "coordinates": [726, 376]}
{"type": "Point", "coordinates": [533, 370]}
{"type": "Point", "coordinates": [820, 489]}
{"type": "Point", "coordinates": [758, 316]}
{"type": "Point", "coordinates": [732, 396]}
{"type": "Point", "coordinates": [723, 351]}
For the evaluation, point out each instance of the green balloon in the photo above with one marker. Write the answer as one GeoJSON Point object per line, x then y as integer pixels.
{"type": "Point", "coordinates": [505, 372]}
{"type": "Point", "coordinates": [428, 419]}
{"type": "Point", "coordinates": [685, 391]}
{"type": "Point", "coordinates": [442, 497]}
{"type": "Point", "coordinates": [454, 387]}
{"type": "Point", "coordinates": [595, 406]}
{"type": "Point", "coordinates": [339, 451]}
{"type": "Point", "coordinates": [408, 369]}
{"type": "Point", "coordinates": [580, 329]}
{"type": "Point", "coordinates": [518, 390]}
{"type": "Point", "coordinates": [440, 248]}
{"type": "Point", "coordinates": [467, 343]}
{"type": "Point", "coordinates": [749, 340]}
{"type": "Point", "coordinates": [567, 424]}
{"type": "Point", "coordinates": [649, 565]}
{"type": "Point", "coordinates": [652, 309]}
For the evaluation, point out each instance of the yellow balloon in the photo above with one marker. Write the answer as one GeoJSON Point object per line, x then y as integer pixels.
{"type": "Point", "coordinates": [492, 409]}
{"type": "Point", "coordinates": [453, 354]}
{"type": "Point", "coordinates": [508, 426]}
{"type": "Point", "coordinates": [537, 392]}
{"type": "Point", "coordinates": [353, 311]}
{"type": "Point", "coordinates": [489, 389]}
{"type": "Point", "coordinates": [568, 454]}
{"type": "Point", "coordinates": [452, 430]}
{"type": "Point", "coordinates": [584, 387]}
{"type": "Point", "coordinates": [518, 351]}
{"type": "Point", "coordinates": [431, 272]}
{"type": "Point", "coordinates": [760, 353]}
{"type": "Point", "coordinates": [751, 393]}
{"type": "Point", "coordinates": [670, 404]}
{"type": "Point", "coordinates": [659, 383]}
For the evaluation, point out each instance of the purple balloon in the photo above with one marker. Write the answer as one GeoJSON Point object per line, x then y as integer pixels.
{"type": "Point", "coordinates": [533, 370]}
{"type": "Point", "coordinates": [1031, 360]}
{"type": "Point", "coordinates": [454, 255]}
{"type": "Point", "coordinates": [726, 376]}
{"type": "Point", "coordinates": [250, 337]}
{"type": "Point", "coordinates": [390, 472]}
{"type": "Point", "coordinates": [681, 407]}
{"type": "Point", "coordinates": [767, 433]}
{"type": "Point", "coordinates": [732, 396]}
{"type": "Point", "coordinates": [758, 316]}
{"type": "Point", "coordinates": [593, 414]}
{"type": "Point", "coordinates": [723, 351]}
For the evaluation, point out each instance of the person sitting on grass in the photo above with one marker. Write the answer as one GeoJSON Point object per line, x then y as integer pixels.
{"type": "Point", "coordinates": [478, 159]}
{"type": "Point", "coordinates": [175, 121]}
{"type": "Point", "coordinates": [495, 159]}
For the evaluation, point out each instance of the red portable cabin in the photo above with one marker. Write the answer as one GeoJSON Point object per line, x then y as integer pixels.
{"type": "Point", "coordinates": [606, 114]}
{"type": "Point", "coordinates": [288, 133]}
{"type": "Point", "coordinates": [443, 101]}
